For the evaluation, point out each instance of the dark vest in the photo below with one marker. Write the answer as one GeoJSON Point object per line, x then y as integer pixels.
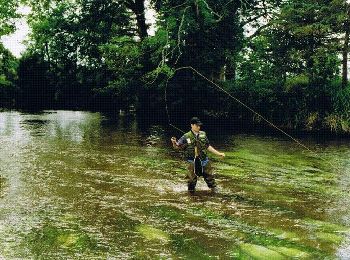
{"type": "Point", "coordinates": [201, 142]}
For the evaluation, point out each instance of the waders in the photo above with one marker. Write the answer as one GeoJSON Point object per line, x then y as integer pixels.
{"type": "Point", "coordinates": [198, 168]}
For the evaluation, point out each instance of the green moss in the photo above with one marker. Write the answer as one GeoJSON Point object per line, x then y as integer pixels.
{"type": "Point", "coordinates": [67, 240]}
{"type": "Point", "coordinates": [330, 237]}
{"type": "Point", "coordinates": [290, 252]}
{"type": "Point", "coordinates": [169, 213]}
{"type": "Point", "coordinates": [151, 233]}
{"type": "Point", "coordinates": [51, 239]}
{"type": "Point", "coordinates": [254, 235]}
{"type": "Point", "coordinates": [151, 161]}
{"type": "Point", "coordinates": [268, 192]}
{"type": "Point", "coordinates": [326, 226]}
{"type": "Point", "coordinates": [188, 248]}
{"type": "Point", "coordinates": [283, 234]}
{"type": "Point", "coordinates": [280, 170]}
{"type": "Point", "coordinates": [251, 251]}
{"type": "Point", "coordinates": [2, 185]}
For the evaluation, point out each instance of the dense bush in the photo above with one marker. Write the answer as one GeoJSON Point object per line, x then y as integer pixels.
{"type": "Point", "coordinates": [298, 104]}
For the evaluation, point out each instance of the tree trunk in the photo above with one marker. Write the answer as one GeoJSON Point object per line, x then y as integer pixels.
{"type": "Point", "coordinates": [48, 54]}
{"type": "Point", "coordinates": [139, 10]}
{"type": "Point", "coordinates": [345, 59]}
{"type": "Point", "coordinates": [222, 76]}
{"type": "Point", "coordinates": [230, 70]}
{"type": "Point", "coordinates": [346, 50]}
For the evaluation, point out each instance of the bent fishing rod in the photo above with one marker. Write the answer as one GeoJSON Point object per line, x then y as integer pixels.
{"type": "Point", "coordinates": [241, 103]}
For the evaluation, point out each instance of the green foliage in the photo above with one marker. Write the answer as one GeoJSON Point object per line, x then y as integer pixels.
{"type": "Point", "coordinates": [122, 54]}
{"type": "Point", "coordinates": [280, 57]}
{"type": "Point", "coordinates": [297, 82]}
{"type": "Point", "coordinates": [200, 33]}
{"type": "Point", "coordinates": [8, 15]}
{"type": "Point", "coordinates": [341, 102]}
{"type": "Point", "coordinates": [255, 64]}
{"type": "Point", "coordinates": [338, 119]}
{"type": "Point", "coordinates": [118, 94]}
{"type": "Point", "coordinates": [326, 65]}
{"type": "Point", "coordinates": [34, 83]}
{"type": "Point", "coordinates": [163, 70]}
{"type": "Point", "coordinates": [8, 76]}
{"type": "Point", "coordinates": [68, 36]}
{"type": "Point", "coordinates": [300, 38]}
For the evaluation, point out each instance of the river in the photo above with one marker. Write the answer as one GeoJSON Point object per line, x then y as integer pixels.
{"type": "Point", "coordinates": [80, 185]}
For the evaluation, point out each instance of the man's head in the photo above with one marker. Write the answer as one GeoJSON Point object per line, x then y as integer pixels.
{"type": "Point", "coordinates": [196, 124]}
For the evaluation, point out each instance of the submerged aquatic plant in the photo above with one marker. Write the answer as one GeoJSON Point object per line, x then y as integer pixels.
{"type": "Point", "coordinates": [2, 186]}
{"type": "Point", "coordinates": [152, 233]}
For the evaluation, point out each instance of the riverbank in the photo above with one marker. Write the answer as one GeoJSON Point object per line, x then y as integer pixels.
{"type": "Point", "coordinates": [250, 125]}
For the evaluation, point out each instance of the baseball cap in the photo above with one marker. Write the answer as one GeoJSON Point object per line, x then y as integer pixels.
{"type": "Point", "coordinates": [195, 120]}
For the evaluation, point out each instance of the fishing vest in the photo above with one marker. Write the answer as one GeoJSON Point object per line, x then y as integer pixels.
{"type": "Point", "coordinates": [202, 145]}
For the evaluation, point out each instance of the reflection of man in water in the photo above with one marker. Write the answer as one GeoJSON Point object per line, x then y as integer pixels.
{"type": "Point", "coordinates": [188, 142]}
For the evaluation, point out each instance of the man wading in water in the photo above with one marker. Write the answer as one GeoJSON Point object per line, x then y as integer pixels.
{"type": "Point", "coordinates": [195, 145]}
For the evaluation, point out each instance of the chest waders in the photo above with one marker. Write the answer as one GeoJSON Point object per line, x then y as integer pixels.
{"type": "Point", "coordinates": [196, 150]}
{"type": "Point", "coordinates": [198, 168]}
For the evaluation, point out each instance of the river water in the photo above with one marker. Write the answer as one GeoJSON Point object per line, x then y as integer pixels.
{"type": "Point", "coordinates": [78, 185]}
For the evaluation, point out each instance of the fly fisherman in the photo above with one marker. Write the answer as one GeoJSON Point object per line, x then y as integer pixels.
{"type": "Point", "coordinates": [195, 145]}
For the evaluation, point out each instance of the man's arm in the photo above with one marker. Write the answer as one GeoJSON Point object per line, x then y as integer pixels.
{"type": "Point", "coordinates": [179, 144]}
{"type": "Point", "coordinates": [214, 151]}
{"type": "Point", "coordinates": [175, 145]}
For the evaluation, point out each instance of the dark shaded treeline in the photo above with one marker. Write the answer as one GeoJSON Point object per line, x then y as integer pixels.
{"type": "Point", "coordinates": [285, 59]}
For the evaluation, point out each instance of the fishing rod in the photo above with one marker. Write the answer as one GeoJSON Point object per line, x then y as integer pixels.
{"type": "Point", "coordinates": [240, 102]}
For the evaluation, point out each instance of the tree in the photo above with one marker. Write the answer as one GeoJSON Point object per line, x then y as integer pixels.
{"type": "Point", "coordinates": [68, 35]}
{"type": "Point", "coordinates": [35, 89]}
{"type": "Point", "coordinates": [8, 63]}
{"type": "Point", "coordinates": [8, 76]}
{"type": "Point", "coordinates": [303, 35]}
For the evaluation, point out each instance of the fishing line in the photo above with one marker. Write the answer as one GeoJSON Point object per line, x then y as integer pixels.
{"type": "Point", "coordinates": [240, 102]}
{"type": "Point", "coordinates": [166, 104]}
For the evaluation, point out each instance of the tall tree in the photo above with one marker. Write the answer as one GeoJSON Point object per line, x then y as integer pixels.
{"type": "Point", "coordinates": [303, 35]}
{"type": "Point", "coordinates": [68, 35]}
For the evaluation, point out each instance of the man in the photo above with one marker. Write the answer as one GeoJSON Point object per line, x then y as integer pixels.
{"type": "Point", "coordinates": [196, 144]}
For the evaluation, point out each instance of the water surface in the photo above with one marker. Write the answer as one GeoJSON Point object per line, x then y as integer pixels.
{"type": "Point", "coordinates": [77, 185]}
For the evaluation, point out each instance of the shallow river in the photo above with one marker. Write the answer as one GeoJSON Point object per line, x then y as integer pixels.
{"type": "Point", "coordinates": [77, 185]}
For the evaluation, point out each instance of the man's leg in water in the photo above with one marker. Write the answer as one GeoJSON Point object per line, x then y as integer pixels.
{"type": "Point", "coordinates": [209, 176]}
{"type": "Point", "coordinates": [191, 178]}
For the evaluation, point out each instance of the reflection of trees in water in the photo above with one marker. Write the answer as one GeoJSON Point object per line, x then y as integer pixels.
{"type": "Point", "coordinates": [35, 126]}
{"type": "Point", "coordinates": [75, 126]}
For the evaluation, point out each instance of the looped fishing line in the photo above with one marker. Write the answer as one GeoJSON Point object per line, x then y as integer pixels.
{"type": "Point", "coordinates": [240, 102]}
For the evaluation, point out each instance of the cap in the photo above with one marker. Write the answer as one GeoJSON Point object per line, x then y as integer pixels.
{"type": "Point", "coordinates": [195, 120]}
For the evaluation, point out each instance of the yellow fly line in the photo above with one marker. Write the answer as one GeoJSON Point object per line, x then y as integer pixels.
{"type": "Point", "coordinates": [240, 102]}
